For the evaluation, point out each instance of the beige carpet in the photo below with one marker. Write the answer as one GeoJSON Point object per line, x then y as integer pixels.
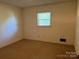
{"type": "Point", "coordinates": [28, 49]}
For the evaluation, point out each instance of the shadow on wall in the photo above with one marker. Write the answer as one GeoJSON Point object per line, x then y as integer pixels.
{"type": "Point", "coordinates": [8, 27]}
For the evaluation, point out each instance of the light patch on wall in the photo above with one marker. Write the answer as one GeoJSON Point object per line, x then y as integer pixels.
{"type": "Point", "coordinates": [11, 27]}
{"type": "Point", "coordinates": [8, 26]}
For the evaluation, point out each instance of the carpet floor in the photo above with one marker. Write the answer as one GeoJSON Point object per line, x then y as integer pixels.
{"type": "Point", "coordinates": [29, 49]}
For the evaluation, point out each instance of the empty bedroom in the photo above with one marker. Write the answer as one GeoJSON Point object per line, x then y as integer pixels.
{"type": "Point", "coordinates": [39, 29]}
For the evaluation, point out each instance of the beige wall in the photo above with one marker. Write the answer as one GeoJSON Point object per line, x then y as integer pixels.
{"type": "Point", "coordinates": [63, 23]}
{"type": "Point", "coordinates": [10, 24]}
{"type": "Point", "coordinates": [77, 31]}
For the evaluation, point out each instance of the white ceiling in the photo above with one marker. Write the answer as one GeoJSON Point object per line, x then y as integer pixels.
{"type": "Point", "coordinates": [28, 3]}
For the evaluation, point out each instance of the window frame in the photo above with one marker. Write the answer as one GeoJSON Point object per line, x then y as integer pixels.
{"type": "Point", "coordinates": [44, 12]}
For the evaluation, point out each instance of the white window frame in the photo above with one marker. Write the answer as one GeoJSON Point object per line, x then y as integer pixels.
{"type": "Point", "coordinates": [50, 19]}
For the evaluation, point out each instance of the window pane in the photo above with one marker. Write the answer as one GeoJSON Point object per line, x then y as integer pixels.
{"type": "Point", "coordinates": [43, 19]}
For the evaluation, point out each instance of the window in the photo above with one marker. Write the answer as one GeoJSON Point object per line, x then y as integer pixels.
{"type": "Point", "coordinates": [44, 19]}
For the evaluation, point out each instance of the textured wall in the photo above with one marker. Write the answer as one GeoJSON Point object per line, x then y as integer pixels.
{"type": "Point", "coordinates": [10, 24]}
{"type": "Point", "coordinates": [63, 23]}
